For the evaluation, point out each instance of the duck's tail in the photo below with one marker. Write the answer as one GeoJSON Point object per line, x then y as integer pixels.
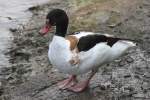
{"type": "Point", "coordinates": [131, 42]}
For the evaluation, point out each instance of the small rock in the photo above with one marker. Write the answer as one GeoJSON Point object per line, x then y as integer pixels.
{"type": "Point", "coordinates": [33, 8]}
{"type": "Point", "coordinates": [23, 55]}
{"type": "Point", "coordinates": [137, 76]}
{"type": "Point", "coordinates": [131, 88]}
{"type": "Point", "coordinates": [102, 87]}
{"type": "Point", "coordinates": [129, 60]}
{"type": "Point", "coordinates": [9, 18]}
{"type": "Point", "coordinates": [127, 76]}
{"type": "Point", "coordinates": [147, 75]}
{"type": "Point", "coordinates": [145, 85]}
{"type": "Point", "coordinates": [9, 77]}
{"type": "Point", "coordinates": [121, 63]}
{"type": "Point", "coordinates": [105, 85]}
{"type": "Point", "coordinates": [139, 95]}
{"type": "Point", "coordinates": [146, 36]}
{"type": "Point", "coordinates": [13, 29]}
{"type": "Point", "coordinates": [5, 71]}
{"type": "Point", "coordinates": [114, 20]}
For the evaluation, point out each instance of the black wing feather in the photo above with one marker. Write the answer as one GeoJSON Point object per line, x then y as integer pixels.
{"type": "Point", "coordinates": [87, 42]}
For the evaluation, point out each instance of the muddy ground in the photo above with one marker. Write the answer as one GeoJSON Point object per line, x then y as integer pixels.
{"type": "Point", "coordinates": [32, 77]}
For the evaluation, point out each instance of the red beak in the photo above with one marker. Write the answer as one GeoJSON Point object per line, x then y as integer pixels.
{"type": "Point", "coordinates": [45, 29]}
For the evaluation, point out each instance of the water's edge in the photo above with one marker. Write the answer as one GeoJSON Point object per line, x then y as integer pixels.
{"type": "Point", "coordinates": [15, 13]}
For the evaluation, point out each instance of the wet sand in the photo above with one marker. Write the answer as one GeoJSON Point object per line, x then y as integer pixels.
{"type": "Point", "coordinates": [32, 77]}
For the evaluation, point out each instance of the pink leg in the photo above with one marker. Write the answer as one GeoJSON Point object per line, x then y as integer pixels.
{"type": "Point", "coordinates": [82, 85]}
{"type": "Point", "coordinates": [67, 82]}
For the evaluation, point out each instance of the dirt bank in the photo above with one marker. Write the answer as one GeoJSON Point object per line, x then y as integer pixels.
{"type": "Point", "coordinates": [32, 77]}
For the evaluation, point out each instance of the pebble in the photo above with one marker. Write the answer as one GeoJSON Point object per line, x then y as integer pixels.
{"type": "Point", "coordinates": [127, 76]}
{"type": "Point", "coordinates": [13, 29]}
{"type": "Point", "coordinates": [129, 60]}
{"type": "Point", "coordinates": [121, 63]}
{"type": "Point", "coordinates": [147, 75]}
{"type": "Point", "coordinates": [145, 85]}
{"type": "Point", "coordinates": [139, 95]}
{"type": "Point", "coordinates": [33, 8]}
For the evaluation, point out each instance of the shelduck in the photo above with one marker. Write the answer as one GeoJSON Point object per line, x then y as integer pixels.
{"type": "Point", "coordinates": [81, 52]}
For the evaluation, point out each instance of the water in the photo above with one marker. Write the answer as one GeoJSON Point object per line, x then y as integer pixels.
{"type": "Point", "coordinates": [12, 13]}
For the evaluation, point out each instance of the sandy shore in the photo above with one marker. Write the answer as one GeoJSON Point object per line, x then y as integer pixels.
{"type": "Point", "coordinates": [32, 77]}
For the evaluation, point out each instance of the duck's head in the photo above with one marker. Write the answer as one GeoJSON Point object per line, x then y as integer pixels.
{"type": "Point", "coordinates": [58, 18]}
